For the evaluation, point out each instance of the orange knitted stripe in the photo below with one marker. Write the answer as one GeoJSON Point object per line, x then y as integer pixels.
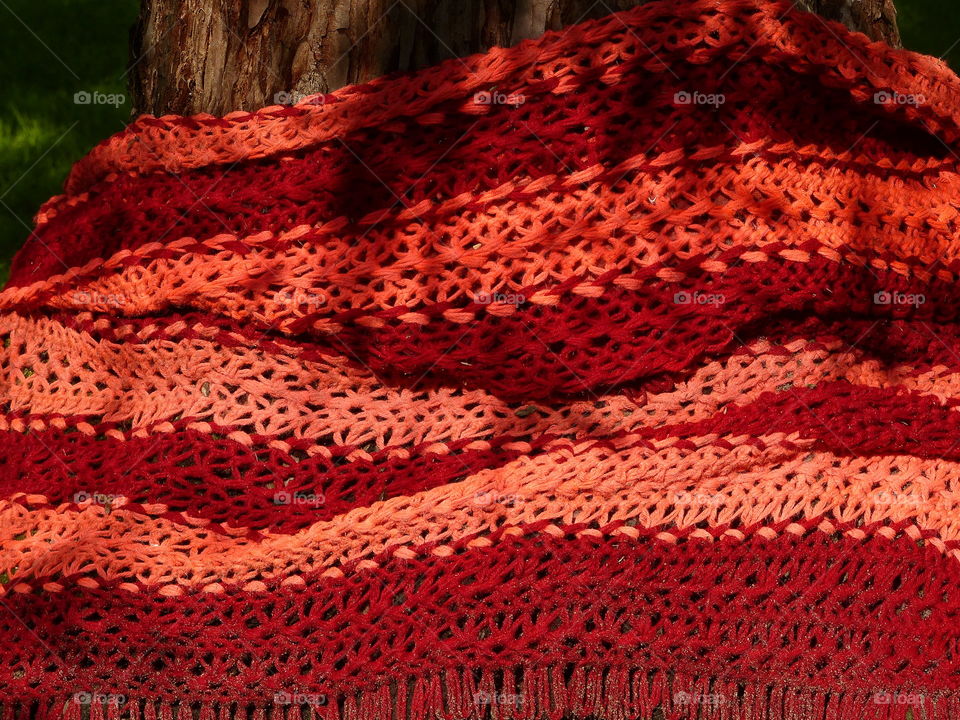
{"type": "Point", "coordinates": [767, 148]}
{"type": "Point", "coordinates": [275, 394]}
{"type": "Point", "coordinates": [468, 256]}
{"type": "Point", "coordinates": [709, 485]}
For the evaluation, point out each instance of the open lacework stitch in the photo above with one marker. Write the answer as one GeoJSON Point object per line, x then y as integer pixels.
{"type": "Point", "coordinates": [609, 375]}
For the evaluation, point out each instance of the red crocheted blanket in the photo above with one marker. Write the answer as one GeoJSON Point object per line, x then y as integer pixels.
{"type": "Point", "coordinates": [612, 375]}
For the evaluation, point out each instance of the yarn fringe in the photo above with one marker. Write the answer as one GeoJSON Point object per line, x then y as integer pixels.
{"type": "Point", "coordinates": [524, 694]}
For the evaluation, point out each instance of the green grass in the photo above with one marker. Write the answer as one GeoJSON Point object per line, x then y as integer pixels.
{"type": "Point", "coordinates": [71, 45]}
{"type": "Point", "coordinates": [74, 45]}
{"type": "Point", "coordinates": [925, 26]}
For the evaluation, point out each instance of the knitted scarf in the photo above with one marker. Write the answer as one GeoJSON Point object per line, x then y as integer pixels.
{"type": "Point", "coordinates": [611, 375]}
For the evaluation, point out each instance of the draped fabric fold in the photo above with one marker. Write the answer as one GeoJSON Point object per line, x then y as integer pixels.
{"type": "Point", "coordinates": [614, 374]}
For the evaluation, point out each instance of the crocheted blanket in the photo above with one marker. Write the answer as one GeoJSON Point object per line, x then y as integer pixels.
{"type": "Point", "coordinates": [612, 375]}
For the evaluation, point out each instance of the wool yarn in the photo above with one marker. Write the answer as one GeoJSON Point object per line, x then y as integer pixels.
{"type": "Point", "coordinates": [611, 375]}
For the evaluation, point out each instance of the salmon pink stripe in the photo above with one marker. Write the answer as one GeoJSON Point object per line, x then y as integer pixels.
{"type": "Point", "coordinates": [685, 483]}
{"type": "Point", "coordinates": [601, 229]}
{"type": "Point", "coordinates": [196, 282]}
{"type": "Point", "coordinates": [300, 483]}
{"type": "Point", "coordinates": [536, 350]}
{"type": "Point", "coordinates": [227, 388]}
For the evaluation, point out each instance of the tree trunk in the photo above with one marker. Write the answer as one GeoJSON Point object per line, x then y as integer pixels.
{"type": "Point", "coordinates": [876, 19]}
{"type": "Point", "coordinates": [215, 56]}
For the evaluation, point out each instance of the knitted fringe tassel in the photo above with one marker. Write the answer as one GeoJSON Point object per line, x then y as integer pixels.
{"type": "Point", "coordinates": [525, 694]}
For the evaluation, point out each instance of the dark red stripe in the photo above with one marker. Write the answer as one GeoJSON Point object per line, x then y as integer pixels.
{"type": "Point", "coordinates": [893, 342]}
{"type": "Point", "coordinates": [586, 346]}
{"type": "Point", "coordinates": [845, 419]}
{"type": "Point", "coordinates": [210, 476]}
{"type": "Point", "coordinates": [261, 488]}
{"type": "Point", "coordinates": [583, 346]}
{"type": "Point", "coordinates": [824, 611]}
{"type": "Point", "coordinates": [372, 169]}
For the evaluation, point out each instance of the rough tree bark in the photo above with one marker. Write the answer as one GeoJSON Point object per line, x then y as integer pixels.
{"type": "Point", "coordinates": [876, 19]}
{"type": "Point", "coordinates": [215, 56]}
